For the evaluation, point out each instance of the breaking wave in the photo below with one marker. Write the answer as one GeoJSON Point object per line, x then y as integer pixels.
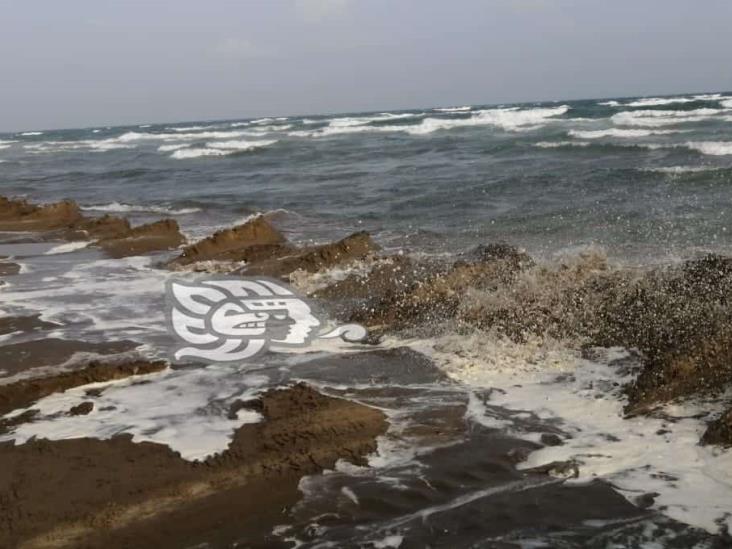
{"type": "Point", "coordinates": [654, 118]}
{"type": "Point", "coordinates": [119, 207]}
{"type": "Point", "coordinates": [618, 132]}
{"type": "Point", "coordinates": [221, 148]}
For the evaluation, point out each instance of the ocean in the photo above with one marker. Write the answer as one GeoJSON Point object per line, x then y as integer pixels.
{"type": "Point", "coordinates": [636, 183]}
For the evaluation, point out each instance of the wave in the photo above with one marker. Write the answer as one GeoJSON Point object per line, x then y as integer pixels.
{"type": "Point", "coordinates": [652, 118]}
{"type": "Point", "coordinates": [221, 148]}
{"type": "Point", "coordinates": [91, 145]}
{"type": "Point", "coordinates": [2, 147]}
{"type": "Point", "coordinates": [137, 136]}
{"type": "Point", "coordinates": [119, 207]}
{"type": "Point", "coordinates": [618, 132]}
{"type": "Point", "coordinates": [675, 170]}
{"type": "Point", "coordinates": [511, 119]}
{"type": "Point", "coordinates": [661, 101]}
{"type": "Point", "coordinates": [453, 109]}
{"type": "Point", "coordinates": [66, 248]}
{"type": "Point", "coordinates": [559, 144]}
{"type": "Point", "coordinates": [30, 134]}
{"type": "Point", "coordinates": [714, 148]}
{"type": "Point", "coordinates": [726, 103]}
{"type": "Point", "coordinates": [8, 141]}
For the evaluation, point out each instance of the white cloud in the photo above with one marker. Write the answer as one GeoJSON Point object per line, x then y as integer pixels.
{"type": "Point", "coordinates": [318, 10]}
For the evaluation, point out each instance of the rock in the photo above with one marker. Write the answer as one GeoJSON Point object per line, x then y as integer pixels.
{"type": "Point", "coordinates": [81, 409]}
{"type": "Point", "coordinates": [312, 259]}
{"type": "Point", "coordinates": [105, 227]}
{"type": "Point", "coordinates": [8, 268]}
{"type": "Point", "coordinates": [21, 394]}
{"type": "Point", "coordinates": [146, 495]}
{"type": "Point", "coordinates": [151, 237]}
{"type": "Point", "coordinates": [719, 431]}
{"type": "Point", "coordinates": [19, 215]}
{"type": "Point", "coordinates": [550, 439]}
{"type": "Point", "coordinates": [256, 239]}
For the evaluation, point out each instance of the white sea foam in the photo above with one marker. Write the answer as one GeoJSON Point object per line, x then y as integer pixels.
{"type": "Point", "coordinates": [453, 109]}
{"type": "Point", "coordinates": [118, 207]}
{"type": "Point", "coordinates": [181, 136]}
{"type": "Point", "coordinates": [610, 104]}
{"type": "Point", "coordinates": [715, 148]}
{"type": "Point", "coordinates": [659, 101]}
{"type": "Point", "coordinates": [30, 134]}
{"type": "Point", "coordinates": [8, 141]}
{"type": "Point", "coordinates": [654, 118]}
{"type": "Point", "coordinates": [67, 248]}
{"type": "Point", "coordinates": [221, 148]}
{"type": "Point", "coordinates": [90, 145]}
{"type": "Point", "coordinates": [637, 455]}
{"type": "Point", "coordinates": [559, 144]}
{"type": "Point", "coordinates": [2, 147]}
{"type": "Point", "coordinates": [184, 409]}
{"type": "Point", "coordinates": [726, 103]}
{"type": "Point", "coordinates": [510, 119]}
{"type": "Point", "coordinates": [174, 147]}
{"type": "Point", "coordinates": [676, 170]}
{"type": "Point", "coordinates": [618, 132]}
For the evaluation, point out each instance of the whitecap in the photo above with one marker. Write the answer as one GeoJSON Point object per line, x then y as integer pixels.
{"type": "Point", "coordinates": [558, 144]}
{"type": "Point", "coordinates": [30, 134]}
{"type": "Point", "coordinates": [221, 148]}
{"type": "Point", "coordinates": [653, 118]}
{"type": "Point", "coordinates": [453, 109]}
{"type": "Point", "coordinates": [618, 132]}
{"type": "Point", "coordinates": [610, 103]}
{"type": "Point", "coordinates": [676, 170]}
{"type": "Point", "coordinates": [66, 248]}
{"type": "Point", "coordinates": [118, 207]}
{"type": "Point", "coordinates": [715, 148]}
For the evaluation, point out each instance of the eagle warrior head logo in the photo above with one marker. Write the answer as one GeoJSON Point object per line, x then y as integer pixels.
{"type": "Point", "coordinates": [221, 320]}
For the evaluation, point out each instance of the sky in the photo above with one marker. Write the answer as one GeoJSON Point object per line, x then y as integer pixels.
{"type": "Point", "coordinates": [80, 63]}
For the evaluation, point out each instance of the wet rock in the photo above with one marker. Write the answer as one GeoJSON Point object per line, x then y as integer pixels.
{"type": "Point", "coordinates": [550, 439]}
{"type": "Point", "coordinates": [254, 240]}
{"type": "Point", "coordinates": [719, 431]}
{"type": "Point", "coordinates": [8, 268]}
{"type": "Point", "coordinates": [499, 251]}
{"type": "Point", "coordinates": [645, 501]}
{"type": "Point", "coordinates": [81, 409]}
{"type": "Point", "coordinates": [105, 227]}
{"type": "Point", "coordinates": [23, 393]}
{"type": "Point", "coordinates": [19, 357]}
{"type": "Point", "coordinates": [315, 258]}
{"type": "Point", "coordinates": [10, 324]}
{"type": "Point", "coordinates": [561, 469]}
{"type": "Point", "coordinates": [151, 237]}
{"type": "Point", "coordinates": [145, 495]}
{"type": "Point", "coordinates": [19, 215]}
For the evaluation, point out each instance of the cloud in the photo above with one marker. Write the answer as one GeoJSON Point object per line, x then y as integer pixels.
{"type": "Point", "coordinates": [319, 10]}
{"type": "Point", "coordinates": [240, 48]}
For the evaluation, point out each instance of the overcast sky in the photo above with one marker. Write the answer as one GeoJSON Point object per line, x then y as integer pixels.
{"type": "Point", "coordinates": [76, 63]}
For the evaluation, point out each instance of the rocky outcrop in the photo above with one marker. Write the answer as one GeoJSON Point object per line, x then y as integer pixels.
{"type": "Point", "coordinates": [253, 240]}
{"type": "Point", "coordinates": [19, 215]}
{"type": "Point", "coordinates": [151, 237]}
{"type": "Point", "coordinates": [315, 258]}
{"type": "Point", "coordinates": [720, 430]}
{"type": "Point", "coordinates": [23, 393]}
{"type": "Point", "coordinates": [145, 495]}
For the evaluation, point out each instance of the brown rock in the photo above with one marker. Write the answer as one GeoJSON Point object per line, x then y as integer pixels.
{"type": "Point", "coordinates": [105, 227]}
{"type": "Point", "coordinates": [8, 268]}
{"type": "Point", "coordinates": [151, 237]}
{"type": "Point", "coordinates": [23, 393]}
{"type": "Point", "coordinates": [19, 215]}
{"type": "Point", "coordinates": [81, 409]}
{"type": "Point", "coordinates": [18, 357]}
{"type": "Point", "coordinates": [720, 430]}
{"type": "Point", "coordinates": [312, 259]}
{"type": "Point", "coordinates": [255, 239]}
{"type": "Point", "coordinates": [145, 495]}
